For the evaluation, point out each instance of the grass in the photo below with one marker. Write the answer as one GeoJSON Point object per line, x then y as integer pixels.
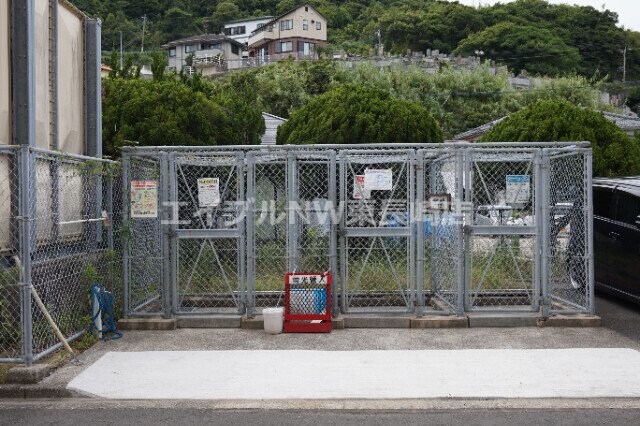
{"type": "Point", "coordinates": [58, 358]}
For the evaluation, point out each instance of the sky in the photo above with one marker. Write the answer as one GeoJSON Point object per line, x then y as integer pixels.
{"type": "Point", "coordinates": [628, 10]}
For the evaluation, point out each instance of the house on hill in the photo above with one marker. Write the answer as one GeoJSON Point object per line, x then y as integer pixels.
{"type": "Point", "coordinates": [240, 29]}
{"type": "Point", "coordinates": [296, 33]}
{"type": "Point", "coordinates": [206, 50]}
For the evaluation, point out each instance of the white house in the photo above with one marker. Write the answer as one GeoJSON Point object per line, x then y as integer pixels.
{"type": "Point", "coordinates": [239, 30]}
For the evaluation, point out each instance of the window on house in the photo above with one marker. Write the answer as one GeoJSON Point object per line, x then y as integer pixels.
{"type": "Point", "coordinates": [284, 46]}
{"type": "Point", "coordinates": [228, 31]}
{"type": "Point", "coordinates": [235, 49]}
{"type": "Point", "coordinates": [306, 48]}
{"type": "Point", "coordinates": [172, 52]}
{"type": "Point", "coordinates": [318, 25]}
{"type": "Point", "coordinates": [189, 48]}
{"type": "Point", "coordinates": [306, 8]}
{"type": "Point", "coordinates": [241, 30]}
{"type": "Point", "coordinates": [287, 24]}
{"type": "Point", "coordinates": [305, 24]}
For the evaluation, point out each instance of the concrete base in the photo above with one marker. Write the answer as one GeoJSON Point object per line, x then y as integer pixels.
{"type": "Point", "coordinates": [376, 322]}
{"type": "Point", "coordinates": [257, 323]}
{"type": "Point", "coordinates": [209, 322]}
{"type": "Point", "coordinates": [506, 319]}
{"type": "Point", "coordinates": [27, 375]}
{"type": "Point", "coordinates": [502, 320]}
{"type": "Point", "coordinates": [570, 321]}
{"type": "Point", "coordinates": [159, 324]}
{"type": "Point", "coordinates": [440, 322]}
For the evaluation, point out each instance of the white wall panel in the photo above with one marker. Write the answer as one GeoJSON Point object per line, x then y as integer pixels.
{"type": "Point", "coordinates": [70, 81]}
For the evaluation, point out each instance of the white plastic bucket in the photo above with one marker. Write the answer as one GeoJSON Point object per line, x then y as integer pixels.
{"type": "Point", "coordinates": [273, 320]}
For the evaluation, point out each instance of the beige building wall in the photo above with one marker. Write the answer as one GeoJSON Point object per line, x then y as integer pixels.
{"type": "Point", "coordinates": [70, 81]}
{"type": "Point", "coordinates": [43, 93]}
{"type": "Point", "coordinates": [298, 16]}
{"type": "Point", "coordinates": [6, 239]}
{"type": "Point", "coordinates": [5, 77]}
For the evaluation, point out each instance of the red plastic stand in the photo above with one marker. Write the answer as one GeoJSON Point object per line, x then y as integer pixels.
{"type": "Point", "coordinates": [307, 302]}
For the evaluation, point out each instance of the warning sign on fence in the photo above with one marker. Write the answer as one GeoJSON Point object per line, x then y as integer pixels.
{"type": "Point", "coordinates": [209, 192]}
{"type": "Point", "coordinates": [144, 199]}
{"type": "Point", "coordinates": [518, 189]}
{"type": "Point", "coordinates": [359, 193]}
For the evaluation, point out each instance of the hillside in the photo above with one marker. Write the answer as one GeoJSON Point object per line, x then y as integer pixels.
{"type": "Point", "coordinates": [526, 34]}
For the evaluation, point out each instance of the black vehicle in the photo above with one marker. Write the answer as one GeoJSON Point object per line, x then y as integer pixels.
{"type": "Point", "coordinates": [616, 223]}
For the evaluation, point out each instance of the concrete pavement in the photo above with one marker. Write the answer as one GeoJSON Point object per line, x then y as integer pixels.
{"type": "Point", "coordinates": [621, 329]}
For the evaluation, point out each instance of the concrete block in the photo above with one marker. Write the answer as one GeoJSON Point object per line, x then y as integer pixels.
{"type": "Point", "coordinates": [376, 322]}
{"type": "Point", "coordinates": [570, 321]}
{"type": "Point", "coordinates": [337, 323]}
{"type": "Point", "coordinates": [256, 323]}
{"type": "Point", "coordinates": [502, 320]}
{"type": "Point", "coordinates": [27, 375]}
{"type": "Point", "coordinates": [440, 322]}
{"type": "Point", "coordinates": [147, 324]}
{"type": "Point", "coordinates": [208, 322]}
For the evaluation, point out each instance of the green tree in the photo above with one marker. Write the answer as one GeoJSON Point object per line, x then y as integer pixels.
{"type": "Point", "coordinates": [614, 153]}
{"type": "Point", "coordinates": [225, 11]}
{"type": "Point", "coordinates": [169, 112]}
{"type": "Point", "coordinates": [537, 50]}
{"type": "Point", "coordinates": [352, 114]}
{"type": "Point", "coordinates": [633, 100]}
{"type": "Point", "coordinates": [158, 64]}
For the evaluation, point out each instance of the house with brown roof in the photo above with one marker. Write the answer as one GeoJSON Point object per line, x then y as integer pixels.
{"type": "Point", "coordinates": [296, 33]}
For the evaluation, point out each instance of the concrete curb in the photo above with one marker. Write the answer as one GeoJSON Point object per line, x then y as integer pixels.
{"type": "Point", "coordinates": [376, 322]}
{"type": "Point", "coordinates": [440, 322]}
{"type": "Point", "coordinates": [148, 324]}
{"type": "Point", "coordinates": [11, 391]}
{"type": "Point", "coordinates": [209, 322]}
{"type": "Point", "coordinates": [570, 321]}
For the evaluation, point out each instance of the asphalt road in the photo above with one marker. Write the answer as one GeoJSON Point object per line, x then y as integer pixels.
{"type": "Point", "coordinates": [619, 316]}
{"type": "Point", "coordinates": [151, 416]}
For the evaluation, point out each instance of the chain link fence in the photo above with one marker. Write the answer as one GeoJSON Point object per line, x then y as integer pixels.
{"type": "Point", "coordinates": [57, 238]}
{"type": "Point", "coordinates": [409, 229]}
{"type": "Point", "coordinates": [405, 229]}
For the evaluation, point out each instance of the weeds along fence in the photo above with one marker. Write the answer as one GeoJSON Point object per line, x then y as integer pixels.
{"type": "Point", "coordinates": [406, 229]}
{"type": "Point", "coordinates": [57, 218]}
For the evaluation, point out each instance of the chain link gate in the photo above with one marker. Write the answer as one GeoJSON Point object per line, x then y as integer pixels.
{"type": "Point", "coordinates": [144, 253]}
{"type": "Point", "coordinates": [377, 247]}
{"type": "Point", "coordinates": [568, 222]}
{"type": "Point", "coordinates": [501, 238]}
{"type": "Point", "coordinates": [439, 229]}
{"type": "Point", "coordinates": [207, 235]}
{"type": "Point", "coordinates": [290, 223]}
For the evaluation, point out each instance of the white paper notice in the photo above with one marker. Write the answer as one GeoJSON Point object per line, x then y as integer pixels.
{"type": "Point", "coordinates": [359, 193]}
{"type": "Point", "coordinates": [144, 199]}
{"type": "Point", "coordinates": [209, 192]}
{"type": "Point", "coordinates": [518, 189]}
{"type": "Point", "coordinates": [378, 180]}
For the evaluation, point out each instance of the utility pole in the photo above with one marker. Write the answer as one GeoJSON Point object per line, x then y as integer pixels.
{"type": "Point", "coordinates": [624, 65]}
{"type": "Point", "coordinates": [120, 49]}
{"type": "Point", "coordinates": [144, 21]}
